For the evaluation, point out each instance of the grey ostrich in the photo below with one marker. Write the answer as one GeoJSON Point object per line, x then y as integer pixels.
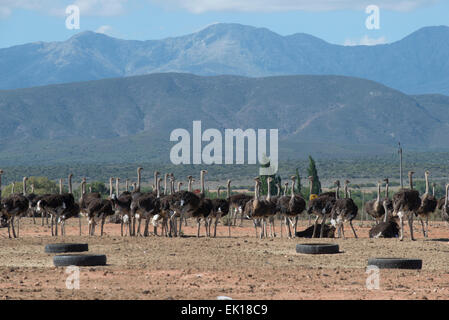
{"type": "Point", "coordinates": [406, 203]}
{"type": "Point", "coordinates": [344, 210]}
{"type": "Point", "coordinates": [428, 206]}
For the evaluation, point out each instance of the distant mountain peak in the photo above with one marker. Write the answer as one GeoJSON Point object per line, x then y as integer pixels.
{"type": "Point", "coordinates": [416, 64]}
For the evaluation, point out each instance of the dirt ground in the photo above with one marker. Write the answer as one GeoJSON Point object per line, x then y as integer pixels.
{"type": "Point", "coordinates": [240, 267]}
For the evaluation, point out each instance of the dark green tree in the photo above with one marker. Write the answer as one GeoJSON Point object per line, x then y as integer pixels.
{"type": "Point", "coordinates": [312, 172]}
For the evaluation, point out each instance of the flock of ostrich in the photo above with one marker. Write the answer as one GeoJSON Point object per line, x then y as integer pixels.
{"type": "Point", "coordinates": [170, 208]}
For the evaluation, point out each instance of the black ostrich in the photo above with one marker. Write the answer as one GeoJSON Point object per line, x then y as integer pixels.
{"type": "Point", "coordinates": [98, 209]}
{"type": "Point", "coordinates": [205, 206]}
{"type": "Point", "coordinates": [428, 206]}
{"type": "Point", "coordinates": [385, 229]}
{"type": "Point", "coordinates": [406, 203]}
{"type": "Point", "coordinates": [220, 207]}
{"type": "Point", "coordinates": [387, 202]}
{"type": "Point", "coordinates": [321, 207]}
{"type": "Point", "coordinates": [15, 206]}
{"type": "Point", "coordinates": [291, 207]}
{"type": "Point", "coordinates": [344, 210]}
{"type": "Point", "coordinates": [261, 208]}
{"type": "Point", "coordinates": [375, 207]}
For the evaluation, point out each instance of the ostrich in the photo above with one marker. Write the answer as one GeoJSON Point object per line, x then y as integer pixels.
{"type": "Point", "coordinates": [271, 213]}
{"type": "Point", "coordinates": [375, 207]}
{"type": "Point", "coordinates": [15, 205]}
{"type": "Point", "coordinates": [261, 208]}
{"type": "Point", "coordinates": [70, 211]}
{"type": "Point", "coordinates": [98, 209]}
{"type": "Point", "coordinates": [182, 205]}
{"type": "Point", "coordinates": [204, 208]}
{"type": "Point", "coordinates": [321, 207]}
{"type": "Point", "coordinates": [145, 205]}
{"type": "Point", "coordinates": [343, 210]}
{"type": "Point", "coordinates": [406, 202]}
{"type": "Point", "coordinates": [55, 204]}
{"type": "Point", "coordinates": [387, 202]}
{"type": "Point", "coordinates": [428, 206]}
{"type": "Point", "coordinates": [291, 207]}
{"type": "Point", "coordinates": [86, 198]}
{"type": "Point", "coordinates": [236, 204]}
{"type": "Point", "coordinates": [23, 196]}
{"type": "Point", "coordinates": [220, 207]}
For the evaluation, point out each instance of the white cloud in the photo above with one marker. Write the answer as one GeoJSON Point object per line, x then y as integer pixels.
{"type": "Point", "coordinates": [365, 41]}
{"type": "Point", "coordinates": [200, 6]}
{"type": "Point", "coordinates": [57, 7]}
{"type": "Point", "coordinates": [104, 29]}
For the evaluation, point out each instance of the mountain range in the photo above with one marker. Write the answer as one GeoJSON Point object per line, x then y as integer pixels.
{"type": "Point", "coordinates": [417, 64]}
{"type": "Point", "coordinates": [130, 119]}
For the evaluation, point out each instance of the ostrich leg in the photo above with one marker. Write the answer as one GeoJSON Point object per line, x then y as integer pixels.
{"type": "Point", "coordinates": [79, 222]}
{"type": "Point", "coordinates": [52, 233]}
{"type": "Point", "coordinates": [315, 226]}
{"type": "Point", "coordinates": [401, 225]}
{"type": "Point", "coordinates": [353, 230]}
{"type": "Point", "coordinates": [422, 225]}
{"type": "Point", "coordinates": [198, 221]}
{"type": "Point", "coordinates": [102, 225]}
{"type": "Point", "coordinates": [427, 226]}
{"type": "Point", "coordinates": [410, 223]}
{"type": "Point", "coordinates": [322, 226]}
{"type": "Point", "coordinates": [255, 227]}
{"type": "Point", "coordinates": [296, 225]}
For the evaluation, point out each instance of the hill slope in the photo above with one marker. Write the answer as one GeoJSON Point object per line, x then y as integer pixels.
{"type": "Point", "coordinates": [416, 64]}
{"type": "Point", "coordinates": [130, 119]}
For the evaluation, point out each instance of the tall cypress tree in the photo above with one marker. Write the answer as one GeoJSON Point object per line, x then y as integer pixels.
{"type": "Point", "coordinates": [312, 172]}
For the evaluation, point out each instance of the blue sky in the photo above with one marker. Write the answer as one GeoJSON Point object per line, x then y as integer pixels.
{"type": "Point", "coordinates": [336, 21]}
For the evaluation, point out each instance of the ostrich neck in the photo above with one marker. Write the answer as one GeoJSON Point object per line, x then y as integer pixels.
{"type": "Point", "coordinates": [155, 180]}
{"type": "Point", "coordinates": [24, 187]}
{"type": "Point", "coordinates": [117, 186]}
{"type": "Point", "coordinates": [110, 187]}
{"type": "Point", "coordinates": [427, 184]}
{"type": "Point", "coordinates": [411, 182]}
{"type": "Point", "coordinates": [138, 180]}
{"type": "Point", "coordinates": [269, 190]}
{"type": "Point", "coordinates": [60, 186]}
{"type": "Point", "coordinates": [346, 191]}
{"type": "Point", "coordinates": [157, 189]}
{"type": "Point", "coordinates": [285, 189]}
{"type": "Point", "coordinates": [165, 185]}
{"type": "Point", "coordinates": [378, 192]}
{"type": "Point", "coordinates": [70, 184]}
{"type": "Point", "coordinates": [228, 190]}
{"type": "Point", "coordinates": [202, 184]}
{"type": "Point", "coordinates": [179, 186]}
{"type": "Point", "coordinates": [336, 192]}
{"type": "Point", "coordinates": [190, 185]}
{"type": "Point", "coordinates": [256, 193]}
{"type": "Point", "coordinates": [386, 190]}
{"type": "Point", "coordinates": [293, 189]}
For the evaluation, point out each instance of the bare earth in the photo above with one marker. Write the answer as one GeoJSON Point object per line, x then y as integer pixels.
{"type": "Point", "coordinates": [241, 267]}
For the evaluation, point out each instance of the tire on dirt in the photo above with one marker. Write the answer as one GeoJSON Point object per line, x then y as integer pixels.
{"type": "Point", "coordinates": [395, 263]}
{"type": "Point", "coordinates": [66, 247]}
{"type": "Point", "coordinates": [317, 248]}
{"type": "Point", "coordinates": [81, 260]}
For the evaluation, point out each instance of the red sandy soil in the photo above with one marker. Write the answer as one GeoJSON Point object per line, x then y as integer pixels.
{"type": "Point", "coordinates": [241, 267]}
